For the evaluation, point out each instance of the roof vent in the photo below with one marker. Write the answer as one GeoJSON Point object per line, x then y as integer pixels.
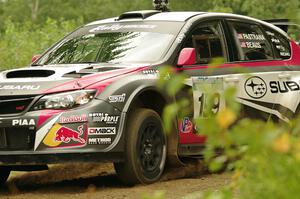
{"type": "Point", "coordinates": [138, 14]}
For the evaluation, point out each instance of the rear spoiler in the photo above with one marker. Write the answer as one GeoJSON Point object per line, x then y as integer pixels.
{"type": "Point", "coordinates": [282, 23]}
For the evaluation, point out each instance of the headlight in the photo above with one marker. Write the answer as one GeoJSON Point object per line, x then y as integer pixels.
{"type": "Point", "coordinates": [66, 100]}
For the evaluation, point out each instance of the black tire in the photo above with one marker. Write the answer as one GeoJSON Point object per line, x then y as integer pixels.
{"type": "Point", "coordinates": [145, 150]}
{"type": "Point", "coordinates": [4, 173]}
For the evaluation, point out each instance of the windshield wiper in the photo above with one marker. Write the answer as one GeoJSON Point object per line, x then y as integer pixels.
{"type": "Point", "coordinates": [36, 64]}
{"type": "Point", "coordinates": [86, 62]}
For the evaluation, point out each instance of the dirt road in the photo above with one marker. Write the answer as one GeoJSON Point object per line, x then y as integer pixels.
{"type": "Point", "coordinates": [99, 181]}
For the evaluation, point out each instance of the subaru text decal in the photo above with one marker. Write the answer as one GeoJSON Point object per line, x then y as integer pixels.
{"type": "Point", "coordinates": [19, 87]}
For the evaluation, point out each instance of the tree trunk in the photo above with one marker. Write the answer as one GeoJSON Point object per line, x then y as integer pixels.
{"type": "Point", "coordinates": [34, 9]}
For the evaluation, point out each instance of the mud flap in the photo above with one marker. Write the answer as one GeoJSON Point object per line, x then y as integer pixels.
{"type": "Point", "coordinates": [172, 153]}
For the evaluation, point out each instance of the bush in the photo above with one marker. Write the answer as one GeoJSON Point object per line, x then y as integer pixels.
{"type": "Point", "coordinates": [265, 156]}
{"type": "Point", "coordinates": [19, 42]}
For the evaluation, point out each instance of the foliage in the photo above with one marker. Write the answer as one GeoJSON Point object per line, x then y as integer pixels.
{"type": "Point", "coordinates": [19, 42]}
{"type": "Point", "coordinates": [265, 156]}
{"type": "Point", "coordinates": [30, 27]}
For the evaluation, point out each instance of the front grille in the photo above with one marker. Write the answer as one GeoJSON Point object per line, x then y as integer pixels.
{"type": "Point", "coordinates": [14, 105]}
{"type": "Point", "coordinates": [13, 138]}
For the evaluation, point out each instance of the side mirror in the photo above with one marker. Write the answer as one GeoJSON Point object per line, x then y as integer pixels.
{"type": "Point", "coordinates": [187, 56]}
{"type": "Point", "coordinates": [34, 58]}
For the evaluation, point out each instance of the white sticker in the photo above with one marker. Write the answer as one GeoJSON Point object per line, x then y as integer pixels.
{"type": "Point", "coordinates": [117, 98]}
{"type": "Point", "coordinates": [102, 131]}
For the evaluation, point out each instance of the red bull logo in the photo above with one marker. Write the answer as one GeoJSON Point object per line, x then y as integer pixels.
{"type": "Point", "coordinates": [62, 136]}
{"type": "Point", "coordinates": [65, 135]}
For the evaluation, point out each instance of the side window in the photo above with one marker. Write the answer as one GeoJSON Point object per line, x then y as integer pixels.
{"type": "Point", "coordinates": [280, 43]}
{"type": "Point", "coordinates": [251, 42]}
{"type": "Point", "coordinates": [206, 39]}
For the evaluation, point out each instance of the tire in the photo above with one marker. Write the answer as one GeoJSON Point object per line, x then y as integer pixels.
{"type": "Point", "coordinates": [145, 150]}
{"type": "Point", "coordinates": [4, 173]}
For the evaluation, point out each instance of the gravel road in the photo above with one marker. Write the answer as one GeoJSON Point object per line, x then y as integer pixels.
{"type": "Point", "coordinates": [99, 181]}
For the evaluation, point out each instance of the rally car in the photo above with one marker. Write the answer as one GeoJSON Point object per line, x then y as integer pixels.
{"type": "Point", "coordinates": [93, 97]}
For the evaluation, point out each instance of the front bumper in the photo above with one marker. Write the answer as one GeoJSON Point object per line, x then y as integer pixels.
{"type": "Point", "coordinates": [90, 133]}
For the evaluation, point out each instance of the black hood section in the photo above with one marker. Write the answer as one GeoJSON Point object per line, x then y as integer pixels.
{"type": "Point", "coordinates": [29, 73]}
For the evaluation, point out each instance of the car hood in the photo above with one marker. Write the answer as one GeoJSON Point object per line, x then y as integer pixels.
{"type": "Point", "coordinates": [58, 78]}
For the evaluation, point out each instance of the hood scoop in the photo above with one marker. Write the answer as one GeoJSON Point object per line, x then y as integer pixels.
{"type": "Point", "coordinates": [29, 73]}
{"type": "Point", "coordinates": [90, 70]}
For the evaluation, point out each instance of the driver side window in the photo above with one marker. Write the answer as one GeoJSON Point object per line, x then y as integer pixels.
{"type": "Point", "coordinates": [206, 39]}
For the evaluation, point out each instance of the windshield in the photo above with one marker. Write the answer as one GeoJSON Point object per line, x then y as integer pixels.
{"type": "Point", "coordinates": [120, 42]}
{"type": "Point", "coordinates": [110, 47]}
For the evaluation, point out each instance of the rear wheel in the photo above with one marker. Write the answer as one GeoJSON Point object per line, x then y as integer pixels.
{"type": "Point", "coordinates": [145, 154]}
{"type": "Point", "coordinates": [4, 173]}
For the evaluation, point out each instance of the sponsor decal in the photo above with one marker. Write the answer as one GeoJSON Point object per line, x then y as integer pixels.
{"type": "Point", "coordinates": [73, 119]}
{"type": "Point", "coordinates": [274, 40]}
{"type": "Point", "coordinates": [255, 87]}
{"type": "Point", "coordinates": [284, 86]}
{"type": "Point", "coordinates": [282, 50]}
{"type": "Point", "coordinates": [119, 26]}
{"type": "Point", "coordinates": [99, 141]}
{"type": "Point", "coordinates": [151, 72]}
{"type": "Point", "coordinates": [23, 122]}
{"type": "Point", "coordinates": [102, 131]}
{"type": "Point", "coordinates": [19, 87]}
{"type": "Point", "coordinates": [285, 54]}
{"type": "Point", "coordinates": [251, 36]}
{"type": "Point", "coordinates": [250, 41]}
{"type": "Point", "coordinates": [117, 98]}
{"type": "Point", "coordinates": [270, 33]}
{"type": "Point", "coordinates": [186, 125]}
{"type": "Point", "coordinates": [64, 137]}
{"type": "Point", "coordinates": [249, 44]}
{"type": "Point", "coordinates": [182, 35]}
{"type": "Point", "coordinates": [104, 117]}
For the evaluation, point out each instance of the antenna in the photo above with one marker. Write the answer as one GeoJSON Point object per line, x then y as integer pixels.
{"type": "Point", "coordinates": [161, 5]}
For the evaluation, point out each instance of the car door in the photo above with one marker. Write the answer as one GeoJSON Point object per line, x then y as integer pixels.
{"type": "Point", "coordinates": [207, 37]}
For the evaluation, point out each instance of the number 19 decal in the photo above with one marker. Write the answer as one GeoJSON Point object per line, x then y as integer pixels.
{"type": "Point", "coordinates": [207, 95]}
{"type": "Point", "coordinates": [206, 105]}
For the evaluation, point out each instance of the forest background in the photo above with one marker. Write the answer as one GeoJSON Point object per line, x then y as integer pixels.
{"type": "Point", "coordinates": [29, 27]}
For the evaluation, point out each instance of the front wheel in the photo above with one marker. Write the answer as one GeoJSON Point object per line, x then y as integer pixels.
{"type": "Point", "coordinates": [146, 149]}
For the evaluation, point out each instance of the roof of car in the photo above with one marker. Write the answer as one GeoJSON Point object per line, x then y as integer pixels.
{"type": "Point", "coordinates": [154, 15]}
{"type": "Point", "coordinates": [157, 16]}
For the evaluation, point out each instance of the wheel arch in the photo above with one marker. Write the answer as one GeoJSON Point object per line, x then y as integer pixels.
{"type": "Point", "coordinates": [147, 97]}
{"type": "Point", "coordinates": [150, 97]}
